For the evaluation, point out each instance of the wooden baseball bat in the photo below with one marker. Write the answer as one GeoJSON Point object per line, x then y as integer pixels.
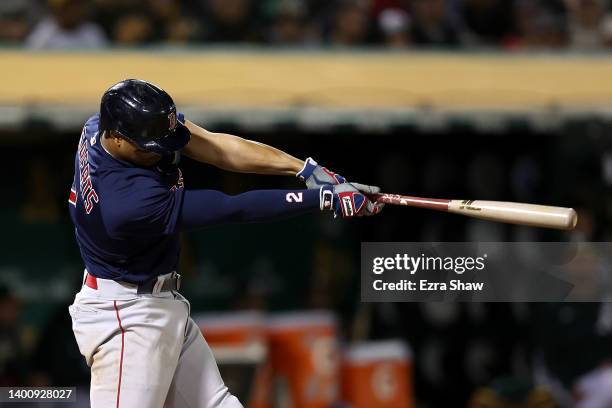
{"type": "Point", "coordinates": [514, 213]}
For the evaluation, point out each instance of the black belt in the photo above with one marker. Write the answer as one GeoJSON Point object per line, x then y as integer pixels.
{"type": "Point", "coordinates": [170, 283]}
{"type": "Point", "coordinates": [162, 283]}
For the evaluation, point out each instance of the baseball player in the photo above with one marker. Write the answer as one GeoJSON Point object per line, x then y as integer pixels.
{"type": "Point", "coordinates": [129, 203]}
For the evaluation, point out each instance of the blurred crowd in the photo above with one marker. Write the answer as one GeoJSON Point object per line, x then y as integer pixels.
{"type": "Point", "coordinates": [510, 24]}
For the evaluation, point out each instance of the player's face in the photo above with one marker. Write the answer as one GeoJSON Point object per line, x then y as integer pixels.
{"type": "Point", "coordinates": [130, 152]}
{"type": "Point", "coordinates": [140, 156]}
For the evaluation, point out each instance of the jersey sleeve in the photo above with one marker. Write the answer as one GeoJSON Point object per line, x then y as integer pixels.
{"type": "Point", "coordinates": [203, 208]}
{"type": "Point", "coordinates": [141, 206]}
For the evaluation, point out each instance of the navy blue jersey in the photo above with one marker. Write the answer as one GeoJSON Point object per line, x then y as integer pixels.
{"type": "Point", "coordinates": [125, 216]}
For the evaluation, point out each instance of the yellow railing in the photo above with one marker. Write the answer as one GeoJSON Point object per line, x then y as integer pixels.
{"type": "Point", "coordinates": [324, 79]}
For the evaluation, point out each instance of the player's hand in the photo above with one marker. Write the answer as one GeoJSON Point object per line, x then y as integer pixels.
{"type": "Point", "coordinates": [316, 176]}
{"type": "Point", "coordinates": [347, 201]}
{"type": "Point", "coordinates": [367, 191]}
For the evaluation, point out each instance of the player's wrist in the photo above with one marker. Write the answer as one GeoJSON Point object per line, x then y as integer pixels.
{"type": "Point", "coordinates": [326, 198]}
{"type": "Point", "coordinates": [307, 169]}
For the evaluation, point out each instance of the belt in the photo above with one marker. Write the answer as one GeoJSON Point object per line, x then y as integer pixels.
{"type": "Point", "coordinates": [162, 283]}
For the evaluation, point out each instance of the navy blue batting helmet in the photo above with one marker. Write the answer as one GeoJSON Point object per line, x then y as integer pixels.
{"type": "Point", "coordinates": [144, 114]}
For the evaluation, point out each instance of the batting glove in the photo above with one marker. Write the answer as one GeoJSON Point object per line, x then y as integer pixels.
{"type": "Point", "coordinates": [316, 176]}
{"type": "Point", "coordinates": [347, 201]}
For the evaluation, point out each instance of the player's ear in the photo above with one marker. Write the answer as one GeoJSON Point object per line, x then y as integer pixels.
{"type": "Point", "coordinates": [114, 137]}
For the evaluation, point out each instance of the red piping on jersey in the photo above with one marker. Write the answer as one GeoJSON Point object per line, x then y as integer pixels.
{"type": "Point", "coordinates": [122, 347]}
{"type": "Point", "coordinates": [72, 198]}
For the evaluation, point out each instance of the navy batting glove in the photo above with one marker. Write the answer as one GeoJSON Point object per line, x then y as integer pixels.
{"type": "Point", "coordinates": [316, 176]}
{"type": "Point", "coordinates": [347, 201]}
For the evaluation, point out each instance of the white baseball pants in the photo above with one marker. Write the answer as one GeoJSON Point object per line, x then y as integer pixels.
{"type": "Point", "coordinates": [144, 350]}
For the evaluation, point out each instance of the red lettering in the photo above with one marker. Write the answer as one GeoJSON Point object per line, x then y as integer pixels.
{"type": "Point", "coordinates": [92, 197]}
{"type": "Point", "coordinates": [85, 187]}
{"type": "Point", "coordinates": [87, 191]}
{"type": "Point", "coordinates": [85, 172]}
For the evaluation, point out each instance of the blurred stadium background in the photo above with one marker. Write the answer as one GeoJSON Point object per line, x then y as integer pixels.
{"type": "Point", "coordinates": [490, 99]}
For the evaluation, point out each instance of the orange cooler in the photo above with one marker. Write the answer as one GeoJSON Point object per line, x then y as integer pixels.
{"type": "Point", "coordinates": [239, 339]}
{"type": "Point", "coordinates": [378, 375]}
{"type": "Point", "coordinates": [305, 359]}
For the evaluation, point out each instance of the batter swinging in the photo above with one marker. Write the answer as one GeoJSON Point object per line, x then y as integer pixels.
{"type": "Point", "coordinates": [129, 203]}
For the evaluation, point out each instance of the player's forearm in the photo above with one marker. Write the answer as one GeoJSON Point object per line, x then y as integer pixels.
{"type": "Point", "coordinates": [202, 208]}
{"type": "Point", "coordinates": [247, 156]}
{"type": "Point", "coordinates": [240, 155]}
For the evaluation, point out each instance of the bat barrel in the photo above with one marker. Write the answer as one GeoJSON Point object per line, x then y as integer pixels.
{"type": "Point", "coordinates": [517, 213]}
{"type": "Point", "coordinates": [514, 213]}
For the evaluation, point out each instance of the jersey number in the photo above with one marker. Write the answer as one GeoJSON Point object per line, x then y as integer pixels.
{"type": "Point", "coordinates": [294, 197]}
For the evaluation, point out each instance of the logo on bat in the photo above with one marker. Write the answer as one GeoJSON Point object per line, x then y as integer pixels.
{"type": "Point", "coordinates": [467, 205]}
